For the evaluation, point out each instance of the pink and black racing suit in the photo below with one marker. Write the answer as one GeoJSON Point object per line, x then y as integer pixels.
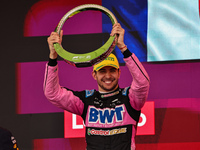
{"type": "Point", "coordinates": [110, 118]}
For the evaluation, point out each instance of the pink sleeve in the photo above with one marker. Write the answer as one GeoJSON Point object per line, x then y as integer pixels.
{"type": "Point", "coordinates": [58, 95]}
{"type": "Point", "coordinates": [140, 85]}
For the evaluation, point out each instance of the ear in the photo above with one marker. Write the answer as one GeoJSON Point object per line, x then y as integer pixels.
{"type": "Point", "coordinates": [94, 75]}
{"type": "Point", "coordinates": [119, 73]}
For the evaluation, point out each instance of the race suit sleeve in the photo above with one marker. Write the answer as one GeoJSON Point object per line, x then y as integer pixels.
{"type": "Point", "coordinates": [139, 89]}
{"type": "Point", "coordinates": [58, 95]}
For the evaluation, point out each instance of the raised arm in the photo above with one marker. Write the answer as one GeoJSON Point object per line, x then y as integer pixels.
{"type": "Point", "coordinates": [140, 84]}
{"type": "Point", "coordinates": [57, 95]}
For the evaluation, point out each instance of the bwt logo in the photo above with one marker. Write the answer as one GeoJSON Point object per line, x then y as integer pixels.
{"type": "Point", "coordinates": [74, 127]}
{"type": "Point", "coordinates": [106, 115]}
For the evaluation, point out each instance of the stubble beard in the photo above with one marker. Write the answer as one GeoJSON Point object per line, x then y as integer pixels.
{"type": "Point", "coordinates": [108, 89]}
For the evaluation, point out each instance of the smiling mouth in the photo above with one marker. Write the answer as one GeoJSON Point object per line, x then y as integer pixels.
{"type": "Point", "coordinates": [108, 82]}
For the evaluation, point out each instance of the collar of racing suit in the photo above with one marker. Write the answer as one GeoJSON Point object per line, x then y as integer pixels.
{"type": "Point", "coordinates": [110, 99]}
{"type": "Point", "coordinates": [108, 94]}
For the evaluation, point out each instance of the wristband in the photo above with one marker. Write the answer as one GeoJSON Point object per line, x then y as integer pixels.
{"type": "Point", "coordinates": [127, 53]}
{"type": "Point", "coordinates": [122, 47]}
{"type": "Point", "coordinates": [52, 62]}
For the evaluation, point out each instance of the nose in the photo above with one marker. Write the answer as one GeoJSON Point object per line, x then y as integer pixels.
{"type": "Point", "coordinates": [108, 74]}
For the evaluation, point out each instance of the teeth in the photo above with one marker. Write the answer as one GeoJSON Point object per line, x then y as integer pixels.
{"type": "Point", "coordinates": [107, 81]}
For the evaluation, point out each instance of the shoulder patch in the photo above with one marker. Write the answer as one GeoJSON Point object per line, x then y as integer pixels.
{"type": "Point", "coordinates": [89, 93]}
{"type": "Point", "coordinates": [125, 91]}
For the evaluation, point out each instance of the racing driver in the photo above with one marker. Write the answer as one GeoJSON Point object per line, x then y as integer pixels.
{"type": "Point", "coordinates": [110, 113]}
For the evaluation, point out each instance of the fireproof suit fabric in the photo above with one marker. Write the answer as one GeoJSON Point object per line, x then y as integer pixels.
{"type": "Point", "coordinates": [7, 140]}
{"type": "Point", "coordinates": [119, 119]}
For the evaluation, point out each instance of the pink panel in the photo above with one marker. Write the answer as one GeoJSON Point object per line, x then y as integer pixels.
{"type": "Point", "coordinates": [30, 97]}
{"type": "Point", "coordinates": [30, 76]}
{"type": "Point", "coordinates": [169, 146]}
{"type": "Point", "coordinates": [44, 16]}
{"type": "Point", "coordinates": [59, 144]}
{"type": "Point", "coordinates": [51, 144]}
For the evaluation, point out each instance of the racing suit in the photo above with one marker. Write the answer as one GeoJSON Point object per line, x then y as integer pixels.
{"type": "Point", "coordinates": [110, 118]}
{"type": "Point", "coordinates": [7, 140]}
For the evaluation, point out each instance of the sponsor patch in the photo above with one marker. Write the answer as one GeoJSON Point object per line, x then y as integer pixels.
{"type": "Point", "coordinates": [106, 132]}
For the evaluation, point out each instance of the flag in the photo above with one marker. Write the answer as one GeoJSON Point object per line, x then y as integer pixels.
{"type": "Point", "coordinates": [157, 30]}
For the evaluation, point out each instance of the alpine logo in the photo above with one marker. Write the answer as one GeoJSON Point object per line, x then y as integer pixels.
{"type": "Point", "coordinates": [106, 115]}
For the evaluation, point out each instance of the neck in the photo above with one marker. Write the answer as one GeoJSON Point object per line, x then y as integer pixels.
{"type": "Point", "coordinates": [107, 91]}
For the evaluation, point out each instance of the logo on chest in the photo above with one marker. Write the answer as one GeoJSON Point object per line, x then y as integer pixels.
{"type": "Point", "coordinates": [106, 115]}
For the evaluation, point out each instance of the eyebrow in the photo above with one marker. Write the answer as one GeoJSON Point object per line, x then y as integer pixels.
{"type": "Point", "coordinates": [102, 69]}
{"type": "Point", "coordinates": [113, 68]}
